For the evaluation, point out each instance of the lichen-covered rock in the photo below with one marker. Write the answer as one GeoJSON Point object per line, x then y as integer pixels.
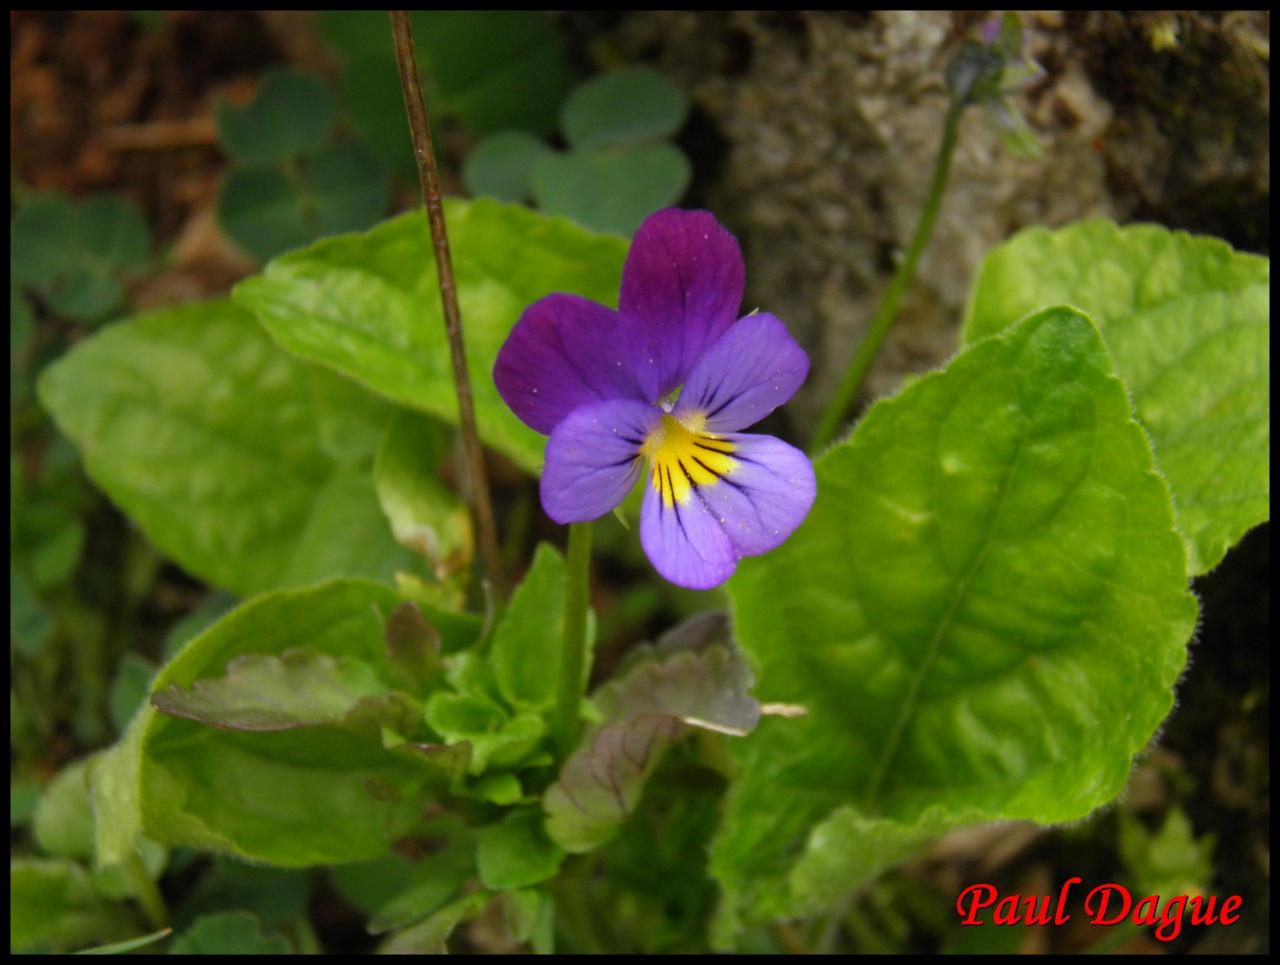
{"type": "Point", "coordinates": [831, 122]}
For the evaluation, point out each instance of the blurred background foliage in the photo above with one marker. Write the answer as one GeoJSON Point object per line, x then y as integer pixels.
{"type": "Point", "coordinates": [160, 157]}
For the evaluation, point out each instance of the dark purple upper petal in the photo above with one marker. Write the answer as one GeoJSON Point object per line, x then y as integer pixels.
{"type": "Point", "coordinates": [681, 289]}
{"type": "Point", "coordinates": [593, 458]}
{"type": "Point", "coordinates": [563, 352]}
{"type": "Point", "coordinates": [754, 368]}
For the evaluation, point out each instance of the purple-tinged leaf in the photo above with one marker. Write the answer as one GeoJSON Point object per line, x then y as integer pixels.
{"type": "Point", "coordinates": [300, 688]}
{"type": "Point", "coordinates": [695, 679]}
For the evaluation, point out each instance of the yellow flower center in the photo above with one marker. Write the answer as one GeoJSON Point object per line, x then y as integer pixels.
{"type": "Point", "coordinates": [685, 457]}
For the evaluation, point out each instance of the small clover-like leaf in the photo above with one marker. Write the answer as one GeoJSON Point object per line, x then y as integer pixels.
{"type": "Point", "coordinates": [259, 209]}
{"type": "Point", "coordinates": [501, 166]}
{"type": "Point", "coordinates": [629, 106]}
{"type": "Point", "coordinates": [76, 255]}
{"type": "Point", "coordinates": [267, 209]}
{"type": "Point", "coordinates": [611, 190]}
{"type": "Point", "coordinates": [292, 112]}
{"type": "Point", "coordinates": [41, 236]}
{"type": "Point", "coordinates": [115, 231]}
{"type": "Point", "coordinates": [347, 189]}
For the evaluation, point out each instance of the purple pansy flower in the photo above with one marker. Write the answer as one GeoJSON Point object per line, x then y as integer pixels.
{"type": "Point", "coordinates": [600, 382]}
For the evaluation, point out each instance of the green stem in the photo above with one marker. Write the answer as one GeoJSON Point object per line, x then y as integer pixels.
{"type": "Point", "coordinates": [834, 416]}
{"type": "Point", "coordinates": [149, 896]}
{"type": "Point", "coordinates": [573, 660]}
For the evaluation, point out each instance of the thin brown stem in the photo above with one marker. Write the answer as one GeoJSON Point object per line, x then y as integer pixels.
{"type": "Point", "coordinates": [419, 126]}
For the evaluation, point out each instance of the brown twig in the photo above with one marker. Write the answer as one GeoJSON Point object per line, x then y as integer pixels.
{"type": "Point", "coordinates": [419, 126]}
{"type": "Point", "coordinates": [162, 135]}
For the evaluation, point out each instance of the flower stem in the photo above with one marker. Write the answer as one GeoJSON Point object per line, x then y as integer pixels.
{"type": "Point", "coordinates": [834, 416]}
{"type": "Point", "coordinates": [429, 176]}
{"type": "Point", "coordinates": [573, 658]}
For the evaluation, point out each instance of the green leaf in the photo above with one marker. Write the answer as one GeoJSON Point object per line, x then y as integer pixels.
{"type": "Point", "coordinates": [278, 896]}
{"type": "Point", "coordinates": [63, 825]}
{"type": "Point", "coordinates": [413, 650]}
{"type": "Point", "coordinates": [495, 69]}
{"type": "Point", "coordinates": [29, 622]}
{"type": "Point", "coordinates": [202, 431]}
{"type": "Point", "coordinates": [501, 166]}
{"type": "Point", "coordinates": [261, 211]}
{"type": "Point", "coordinates": [600, 785]}
{"type": "Point", "coordinates": [654, 704]}
{"type": "Point", "coordinates": [24, 797]}
{"type": "Point", "coordinates": [301, 688]}
{"type": "Point", "coordinates": [516, 853]}
{"type": "Point", "coordinates": [41, 234]}
{"type": "Point", "coordinates": [496, 738]}
{"type": "Point", "coordinates": [489, 69]}
{"type": "Point", "coordinates": [692, 673]}
{"type": "Point", "coordinates": [267, 209]}
{"type": "Point", "coordinates": [22, 328]}
{"type": "Point", "coordinates": [229, 933]}
{"type": "Point", "coordinates": [316, 795]}
{"type": "Point", "coordinates": [130, 688]}
{"type": "Point", "coordinates": [529, 639]}
{"type": "Point", "coordinates": [627, 106]}
{"type": "Point", "coordinates": [429, 937]}
{"type": "Point", "coordinates": [211, 609]}
{"type": "Point", "coordinates": [1187, 320]}
{"type": "Point", "coordinates": [368, 307]}
{"type": "Point", "coordinates": [611, 190]}
{"type": "Point", "coordinates": [54, 908]}
{"type": "Point", "coordinates": [367, 885]}
{"type": "Point", "coordinates": [984, 615]}
{"type": "Point", "coordinates": [375, 103]}
{"type": "Point", "coordinates": [292, 112]}
{"type": "Point", "coordinates": [350, 421]}
{"type": "Point", "coordinates": [528, 917]}
{"type": "Point", "coordinates": [115, 231]}
{"type": "Point", "coordinates": [51, 535]}
{"type": "Point", "coordinates": [347, 190]}
{"type": "Point", "coordinates": [1168, 862]}
{"type": "Point", "coordinates": [437, 879]}
{"type": "Point", "coordinates": [425, 515]}
{"type": "Point", "coordinates": [64, 828]}
{"type": "Point", "coordinates": [503, 789]}
{"type": "Point", "coordinates": [74, 255]}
